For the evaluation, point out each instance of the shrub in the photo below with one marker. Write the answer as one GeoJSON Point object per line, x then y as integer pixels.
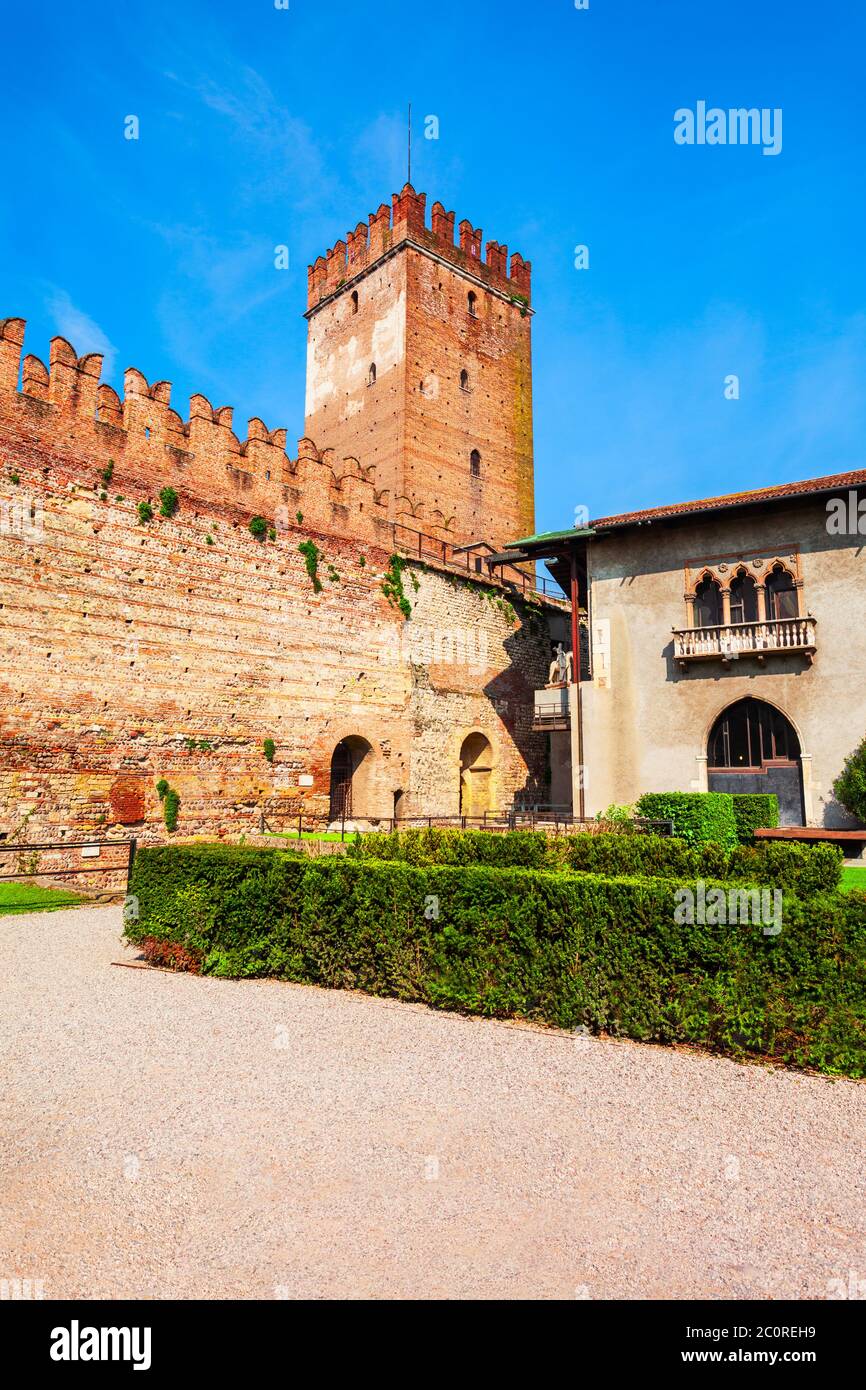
{"type": "Point", "coordinates": [804, 869]}
{"type": "Point", "coordinates": [168, 501]}
{"type": "Point", "coordinates": [517, 848]}
{"type": "Point", "coordinates": [161, 788]}
{"type": "Point", "coordinates": [572, 950]}
{"type": "Point", "coordinates": [616, 815]}
{"type": "Point", "coordinates": [850, 786]}
{"type": "Point", "coordinates": [392, 585]}
{"type": "Point", "coordinates": [108, 472]}
{"type": "Point", "coordinates": [258, 527]}
{"type": "Point", "coordinates": [145, 512]}
{"type": "Point", "coordinates": [269, 748]}
{"type": "Point", "coordinates": [312, 555]}
{"type": "Point", "coordinates": [170, 809]}
{"type": "Point", "coordinates": [172, 954]}
{"type": "Point", "coordinates": [698, 817]}
{"type": "Point", "coordinates": [754, 811]}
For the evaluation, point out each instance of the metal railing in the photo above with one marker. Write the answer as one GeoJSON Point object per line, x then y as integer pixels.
{"type": "Point", "coordinates": [31, 863]}
{"type": "Point", "coordinates": [528, 814]}
{"type": "Point", "coordinates": [472, 562]}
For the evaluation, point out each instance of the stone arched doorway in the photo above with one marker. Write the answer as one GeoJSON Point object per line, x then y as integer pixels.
{"type": "Point", "coordinates": [753, 747]}
{"type": "Point", "coordinates": [476, 775]}
{"type": "Point", "coordinates": [351, 766]}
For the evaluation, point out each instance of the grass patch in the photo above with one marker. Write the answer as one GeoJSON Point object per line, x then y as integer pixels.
{"type": "Point", "coordinates": [29, 897]}
{"type": "Point", "coordinates": [853, 880]}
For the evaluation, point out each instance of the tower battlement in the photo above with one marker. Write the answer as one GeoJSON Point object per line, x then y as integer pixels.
{"type": "Point", "coordinates": [405, 221]}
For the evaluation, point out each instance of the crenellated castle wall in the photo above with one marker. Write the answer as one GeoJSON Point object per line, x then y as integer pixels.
{"type": "Point", "coordinates": [173, 649]}
{"type": "Point", "coordinates": [151, 446]}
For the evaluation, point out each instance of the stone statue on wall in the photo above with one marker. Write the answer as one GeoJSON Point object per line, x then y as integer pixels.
{"type": "Point", "coordinates": [560, 672]}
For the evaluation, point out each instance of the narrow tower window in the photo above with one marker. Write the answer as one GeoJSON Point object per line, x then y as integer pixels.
{"type": "Point", "coordinates": [371, 375]}
{"type": "Point", "coordinates": [354, 301]}
{"type": "Point", "coordinates": [475, 464]}
{"type": "Point", "coordinates": [464, 380]}
{"type": "Point", "coordinates": [472, 303]}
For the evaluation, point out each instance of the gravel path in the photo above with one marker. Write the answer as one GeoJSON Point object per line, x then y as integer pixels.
{"type": "Point", "coordinates": [166, 1136]}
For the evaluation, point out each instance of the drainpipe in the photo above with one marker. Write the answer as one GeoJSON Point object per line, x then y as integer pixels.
{"type": "Point", "coordinates": [575, 703]}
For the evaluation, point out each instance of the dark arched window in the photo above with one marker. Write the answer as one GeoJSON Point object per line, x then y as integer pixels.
{"type": "Point", "coordinates": [464, 380]}
{"type": "Point", "coordinates": [744, 599]}
{"type": "Point", "coordinates": [708, 604]}
{"type": "Point", "coordinates": [751, 734]}
{"type": "Point", "coordinates": [371, 375]}
{"type": "Point", "coordinates": [475, 464]}
{"type": "Point", "coordinates": [354, 301]}
{"type": "Point", "coordinates": [472, 303]}
{"type": "Point", "coordinates": [781, 594]}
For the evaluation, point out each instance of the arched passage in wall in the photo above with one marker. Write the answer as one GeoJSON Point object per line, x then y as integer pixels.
{"type": "Point", "coordinates": [476, 773]}
{"type": "Point", "coordinates": [351, 770]}
{"type": "Point", "coordinates": [753, 747]}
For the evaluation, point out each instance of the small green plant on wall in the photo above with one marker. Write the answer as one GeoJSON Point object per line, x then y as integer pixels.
{"type": "Point", "coordinates": [270, 749]}
{"type": "Point", "coordinates": [312, 555]}
{"type": "Point", "coordinates": [170, 809]}
{"type": "Point", "coordinates": [258, 527]}
{"type": "Point", "coordinates": [168, 501]}
{"type": "Point", "coordinates": [392, 585]}
{"type": "Point", "coordinates": [145, 513]}
{"type": "Point", "coordinates": [170, 803]}
{"type": "Point", "coordinates": [108, 472]}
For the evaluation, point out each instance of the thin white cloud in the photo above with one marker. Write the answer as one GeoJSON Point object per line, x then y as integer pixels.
{"type": "Point", "coordinates": [80, 330]}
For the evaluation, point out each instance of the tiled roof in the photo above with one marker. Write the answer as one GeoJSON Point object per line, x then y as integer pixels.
{"type": "Point", "coordinates": [836, 481]}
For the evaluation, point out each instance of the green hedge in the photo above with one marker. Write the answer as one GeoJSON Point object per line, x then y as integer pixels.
{"type": "Point", "coordinates": [802, 868]}
{"type": "Point", "coordinates": [754, 811]}
{"type": "Point", "coordinates": [526, 849]}
{"type": "Point", "coordinates": [698, 817]}
{"type": "Point", "coordinates": [572, 950]}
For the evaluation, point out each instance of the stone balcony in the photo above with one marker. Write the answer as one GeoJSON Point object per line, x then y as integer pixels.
{"type": "Point", "coordinates": [730, 641]}
{"type": "Point", "coordinates": [551, 708]}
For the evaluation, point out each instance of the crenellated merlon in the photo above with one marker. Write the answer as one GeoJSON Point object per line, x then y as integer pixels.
{"type": "Point", "coordinates": [150, 446]}
{"type": "Point", "coordinates": [405, 221]}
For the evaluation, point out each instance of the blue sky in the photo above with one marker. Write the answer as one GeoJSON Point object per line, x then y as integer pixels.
{"type": "Point", "coordinates": [261, 127]}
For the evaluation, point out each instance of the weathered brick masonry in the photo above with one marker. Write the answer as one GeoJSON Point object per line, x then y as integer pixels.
{"type": "Point", "coordinates": [174, 648]}
{"type": "Point", "coordinates": [419, 355]}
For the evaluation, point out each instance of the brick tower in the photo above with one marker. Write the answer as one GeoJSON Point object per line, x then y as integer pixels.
{"type": "Point", "coordinates": [419, 363]}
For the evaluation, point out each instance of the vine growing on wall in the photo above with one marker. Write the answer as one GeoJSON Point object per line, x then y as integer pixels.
{"type": "Point", "coordinates": [170, 803]}
{"type": "Point", "coordinates": [312, 555]}
{"type": "Point", "coordinates": [392, 585]}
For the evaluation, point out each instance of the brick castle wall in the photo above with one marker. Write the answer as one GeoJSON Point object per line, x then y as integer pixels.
{"type": "Point", "coordinates": [136, 652]}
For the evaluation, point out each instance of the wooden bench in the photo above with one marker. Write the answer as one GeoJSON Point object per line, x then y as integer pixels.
{"type": "Point", "coordinates": [816, 835]}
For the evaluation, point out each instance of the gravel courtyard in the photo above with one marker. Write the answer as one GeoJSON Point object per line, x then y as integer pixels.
{"type": "Point", "coordinates": [166, 1136]}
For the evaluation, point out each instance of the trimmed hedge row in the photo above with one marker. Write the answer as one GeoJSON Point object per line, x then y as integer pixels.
{"type": "Point", "coordinates": [573, 950]}
{"type": "Point", "coordinates": [754, 811]}
{"type": "Point", "coordinates": [698, 817]}
{"type": "Point", "coordinates": [804, 869]}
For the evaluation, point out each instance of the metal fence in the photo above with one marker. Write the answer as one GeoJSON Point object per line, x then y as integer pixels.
{"type": "Point", "coordinates": [532, 817]}
{"type": "Point", "coordinates": [52, 860]}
